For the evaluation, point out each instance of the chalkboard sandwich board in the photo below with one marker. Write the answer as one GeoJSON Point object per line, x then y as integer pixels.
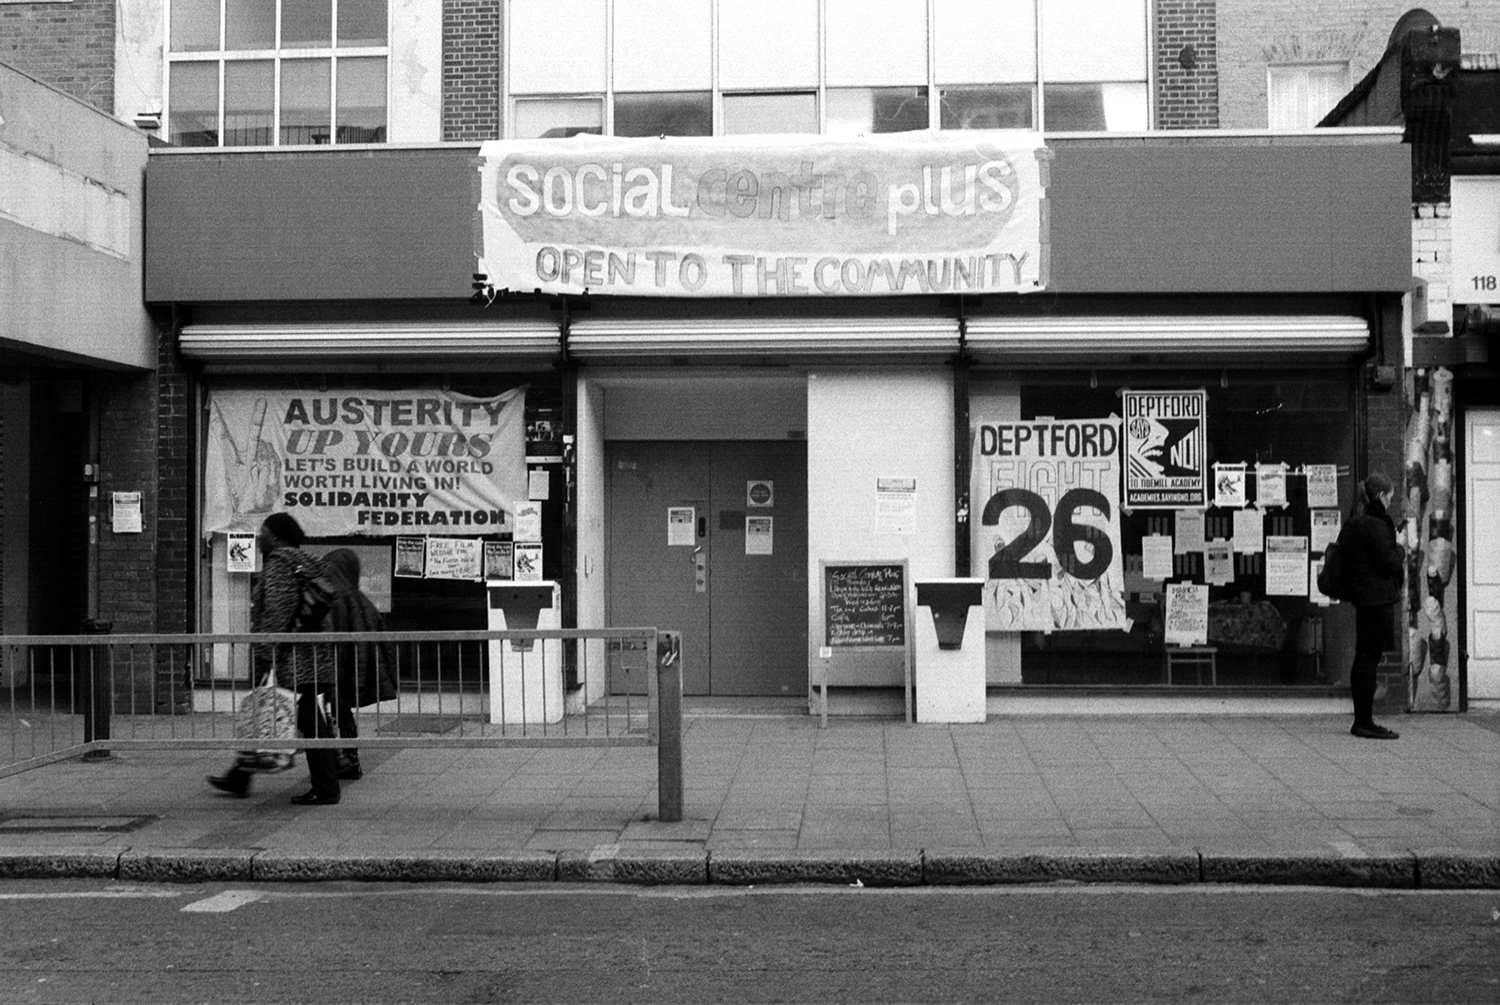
{"type": "Point", "coordinates": [864, 604]}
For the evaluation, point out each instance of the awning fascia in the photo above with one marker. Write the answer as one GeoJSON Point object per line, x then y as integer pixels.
{"type": "Point", "coordinates": [1197, 337]}
{"type": "Point", "coordinates": [885, 336]}
{"type": "Point", "coordinates": [357, 340]}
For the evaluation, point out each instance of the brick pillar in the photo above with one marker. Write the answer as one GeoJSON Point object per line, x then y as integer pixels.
{"type": "Point", "coordinates": [176, 537]}
{"type": "Point", "coordinates": [471, 69]}
{"type": "Point", "coordinates": [1385, 434]}
{"type": "Point", "coordinates": [1187, 64]}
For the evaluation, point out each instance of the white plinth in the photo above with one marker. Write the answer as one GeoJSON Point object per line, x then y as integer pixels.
{"type": "Point", "coordinates": [949, 682]}
{"type": "Point", "coordinates": [526, 682]}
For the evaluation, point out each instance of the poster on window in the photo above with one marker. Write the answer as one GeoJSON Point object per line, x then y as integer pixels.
{"type": "Point", "coordinates": [1186, 620]}
{"type": "Point", "coordinates": [912, 213]}
{"type": "Point", "coordinates": [1286, 566]}
{"type": "Point", "coordinates": [1165, 449]}
{"type": "Point", "coordinates": [1047, 524]}
{"type": "Point", "coordinates": [350, 462]}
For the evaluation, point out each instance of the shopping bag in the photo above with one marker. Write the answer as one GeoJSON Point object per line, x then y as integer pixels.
{"type": "Point", "coordinates": [268, 712]}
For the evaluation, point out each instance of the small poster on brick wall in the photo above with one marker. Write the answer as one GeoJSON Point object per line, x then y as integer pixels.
{"type": "Point", "coordinates": [126, 512]}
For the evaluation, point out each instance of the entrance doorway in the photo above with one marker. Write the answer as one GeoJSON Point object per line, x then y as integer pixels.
{"type": "Point", "coordinates": [710, 538]}
{"type": "Point", "coordinates": [1481, 501]}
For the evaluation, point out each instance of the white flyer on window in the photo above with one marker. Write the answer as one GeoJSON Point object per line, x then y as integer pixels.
{"type": "Point", "coordinates": [1156, 556]}
{"type": "Point", "coordinates": [1315, 595]}
{"type": "Point", "coordinates": [1218, 563]}
{"type": "Point", "coordinates": [1270, 485]}
{"type": "Point", "coordinates": [1326, 524]}
{"type": "Point", "coordinates": [1189, 535]}
{"type": "Point", "coordinates": [528, 562]}
{"type": "Point", "coordinates": [454, 558]}
{"type": "Point", "coordinates": [1229, 485]}
{"type": "Point", "coordinates": [1249, 531]}
{"type": "Point", "coordinates": [1286, 566]}
{"type": "Point", "coordinates": [1322, 485]}
{"type": "Point", "coordinates": [1186, 622]}
{"type": "Point", "coordinates": [528, 521]}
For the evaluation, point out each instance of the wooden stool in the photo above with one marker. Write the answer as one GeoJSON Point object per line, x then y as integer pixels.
{"type": "Point", "coordinates": [1197, 658]}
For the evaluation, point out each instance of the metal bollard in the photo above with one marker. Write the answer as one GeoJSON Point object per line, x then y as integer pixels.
{"type": "Point", "coordinates": [669, 726]}
{"type": "Point", "coordinates": [98, 697]}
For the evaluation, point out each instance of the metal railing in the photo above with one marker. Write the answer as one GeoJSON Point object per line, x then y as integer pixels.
{"type": "Point", "coordinates": [64, 696]}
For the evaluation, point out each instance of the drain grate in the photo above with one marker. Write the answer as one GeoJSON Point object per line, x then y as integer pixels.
{"type": "Point", "coordinates": [52, 822]}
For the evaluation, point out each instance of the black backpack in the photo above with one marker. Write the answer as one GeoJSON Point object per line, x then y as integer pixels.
{"type": "Point", "coordinates": [1331, 580]}
{"type": "Point", "coordinates": [314, 600]}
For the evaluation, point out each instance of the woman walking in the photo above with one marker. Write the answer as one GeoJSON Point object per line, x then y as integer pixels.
{"type": "Point", "coordinates": [1372, 565]}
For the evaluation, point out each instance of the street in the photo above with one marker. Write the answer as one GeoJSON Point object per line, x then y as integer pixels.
{"type": "Point", "coordinates": [82, 941]}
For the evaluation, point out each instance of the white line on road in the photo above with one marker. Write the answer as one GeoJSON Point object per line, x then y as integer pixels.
{"type": "Point", "coordinates": [226, 901]}
{"type": "Point", "coordinates": [85, 894]}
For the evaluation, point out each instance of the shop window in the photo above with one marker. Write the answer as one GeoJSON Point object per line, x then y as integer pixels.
{"type": "Point", "coordinates": [668, 114]}
{"type": "Point", "coordinates": [1297, 97]}
{"type": "Point", "coordinates": [770, 113]}
{"type": "Point", "coordinates": [226, 60]}
{"type": "Point", "coordinates": [856, 111]}
{"type": "Point", "coordinates": [1263, 636]}
{"type": "Point", "coordinates": [1005, 106]}
{"type": "Point", "coordinates": [549, 118]}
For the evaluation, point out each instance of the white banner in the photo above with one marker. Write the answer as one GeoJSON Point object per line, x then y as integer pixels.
{"type": "Point", "coordinates": [365, 462]}
{"type": "Point", "coordinates": [1046, 512]}
{"type": "Point", "coordinates": [766, 216]}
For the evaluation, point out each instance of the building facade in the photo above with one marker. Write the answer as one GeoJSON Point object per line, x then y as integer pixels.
{"type": "Point", "coordinates": [412, 92]}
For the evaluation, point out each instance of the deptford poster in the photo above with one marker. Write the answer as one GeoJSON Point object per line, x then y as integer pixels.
{"type": "Point", "coordinates": [769, 216]}
{"type": "Point", "coordinates": [1165, 449]}
{"type": "Point", "coordinates": [365, 462]}
{"type": "Point", "coordinates": [1046, 519]}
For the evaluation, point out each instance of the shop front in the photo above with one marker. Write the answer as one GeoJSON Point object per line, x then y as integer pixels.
{"type": "Point", "coordinates": [1128, 384]}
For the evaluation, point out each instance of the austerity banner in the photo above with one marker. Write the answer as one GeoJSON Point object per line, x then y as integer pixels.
{"type": "Point", "coordinates": [1045, 509]}
{"type": "Point", "coordinates": [365, 462]}
{"type": "Point", "coordinates": [766, 216]}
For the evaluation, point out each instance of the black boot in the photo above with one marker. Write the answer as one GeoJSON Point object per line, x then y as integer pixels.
{"type": "Point", "coordinates": [234, 781]}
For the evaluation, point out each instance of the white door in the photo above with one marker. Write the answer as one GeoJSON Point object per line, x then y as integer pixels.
{"type": "Point", "coordinates": [1483, 577]}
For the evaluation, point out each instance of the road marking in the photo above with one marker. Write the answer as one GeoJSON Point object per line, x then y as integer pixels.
{"type": "Point", "coordinates": [85, 894]}
{"type": "Point", "coordinates": [226, 901]}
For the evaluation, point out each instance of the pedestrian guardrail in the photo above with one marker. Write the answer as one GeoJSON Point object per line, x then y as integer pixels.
{"type": "Point", "coordinates": [64, 696]}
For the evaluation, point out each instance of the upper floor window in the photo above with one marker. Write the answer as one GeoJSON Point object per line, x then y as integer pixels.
{"type": "Point", "coordinates": [837, 67]}
{"type": "Point", "coordinates": [1298, 95]}
{"type": "Point", "coordinates": [276, 72]}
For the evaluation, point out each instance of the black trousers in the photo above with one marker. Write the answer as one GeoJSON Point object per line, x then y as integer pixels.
{"type": "Point", "coordinates": [349, 730]}
{"type": "Point", "coordinates": [1373, 636]}
{"type": "Point", "coordinates": [322, 763]}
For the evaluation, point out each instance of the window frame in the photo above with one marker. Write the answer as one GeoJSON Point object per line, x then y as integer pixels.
{"type": "Point", "coordinates": [276, 55]}
{"type": "Point", "coordinates": [934, 83]}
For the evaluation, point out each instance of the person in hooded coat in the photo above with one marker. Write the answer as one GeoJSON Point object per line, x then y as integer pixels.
{"type": "Point", "coordinates": [1373, 570]}
{"type": "Point", "coordinates": [366, 670]}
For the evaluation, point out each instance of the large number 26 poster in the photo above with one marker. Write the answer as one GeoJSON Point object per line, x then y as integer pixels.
{"type": "Point", "coordinates": [1046, 498]}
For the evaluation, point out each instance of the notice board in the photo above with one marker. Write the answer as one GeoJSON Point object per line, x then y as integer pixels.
{"type": "Point", "coordinates": [866, 624]}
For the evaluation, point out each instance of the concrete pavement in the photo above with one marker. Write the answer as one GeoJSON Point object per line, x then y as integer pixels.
{"type": "Point", "coordinates": [1171, 798]}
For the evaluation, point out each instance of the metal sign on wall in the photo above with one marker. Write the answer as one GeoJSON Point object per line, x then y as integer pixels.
{"type": "Point", "coordinates": [766, 216]}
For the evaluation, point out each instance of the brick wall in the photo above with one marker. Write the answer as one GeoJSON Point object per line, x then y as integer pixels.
{"type": "Point", "coordinates": [1187, 64]}
{"type": "Point", "coordinates": [471, 69]}
{"type": "Point", "coordinates": [1255, 33]}
{"type": "Point", "coordinates": [68, 45]}
{"type": "Point", "coordinates": [1432, 251]}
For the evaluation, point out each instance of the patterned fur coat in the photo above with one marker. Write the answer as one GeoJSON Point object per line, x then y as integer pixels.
{"type": "Point", "coordinates": [273, 604]}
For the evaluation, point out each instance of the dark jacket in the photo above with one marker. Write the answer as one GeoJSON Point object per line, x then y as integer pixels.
{"type": "Point", "coordinates": [366, 670]}
{"type": "Point", "coordinates": [1372, 560]}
